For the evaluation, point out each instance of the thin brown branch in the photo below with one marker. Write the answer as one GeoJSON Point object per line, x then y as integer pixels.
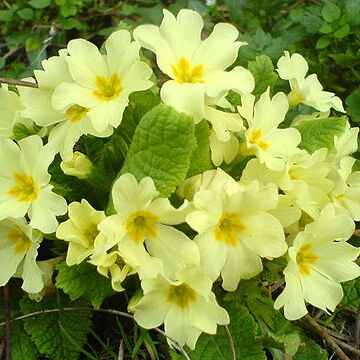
{"type": "Point", "coordinates": [13, 51]}
{"type": "Point", "coordinates": [231, 342]}
{"type": "Point", "coordinates": [2, 347]}
{"type": "Point", "coordinates": [8, 351]}
{"type": "Point", "coordinates": [121, 350]}
{"type": "Point", "coordinates": [18, 82]}
{"type": "Point", "coordinates": [348, 309]}
{"type": "Point", "coordinates": [348, 347]}
{"type": "Point", "coordinates": [108, 311]}
{"type": "Point", "coordinates": [327, 338]}
{"type": "Point", "coordinates": [357, 329]}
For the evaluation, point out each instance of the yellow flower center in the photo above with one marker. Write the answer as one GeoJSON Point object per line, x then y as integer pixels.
{"type": "Point", "coordinates": [141, 225]}
{"type": "Point", "coordinates": [26, 189]}
{"type": "Point", "coordinates": [76, 113]}
{"type": "Point", "coordinates": [181, 295]}
{"type": "Point", "coordinates": [255, 138]}
{"type": "Point", "coordinates": [295, 98]}
{"type": "Point", "coordinates": [22, 242]}
{"type": "Point", "coordinates": [108, 89]}
{"type": "Point", "coordinates": [228, 228]}
{"type": "Point", "coordinates": [304, 258]}
{"type": "Point", "coordinates": [185, 74]}
{"type": "Point", "coordinates": [91, 233]}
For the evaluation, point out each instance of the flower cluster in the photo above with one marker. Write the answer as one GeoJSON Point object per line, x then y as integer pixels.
{"type": "Point", "coordinates": [287, 201]}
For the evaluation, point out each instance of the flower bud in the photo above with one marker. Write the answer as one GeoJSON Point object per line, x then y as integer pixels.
{"type": "Point", "coordinates": [79, 166]}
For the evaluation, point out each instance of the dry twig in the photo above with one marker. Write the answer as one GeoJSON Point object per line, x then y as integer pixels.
{"type": "Point", "coordinates": [357, 329]}
{"type": "Point", "coordinates": [327, 338]}
{"type": "Point", "coordinates": [18, 82]}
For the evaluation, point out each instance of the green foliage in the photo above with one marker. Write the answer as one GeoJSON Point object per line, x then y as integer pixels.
{"type": "Point", "coordinates": [351, 294]}
{"type": "Point", "coordinates": [21, 131]}
{"type": "Point", "coordinates": [22, 346]}
{"type": "Point", "coordinates": [264, 74]}
{"type": "Point", "coordinates": [161, 148]}
{"type": "Point", "coordinates": [319, 133]}
{"type": "Point", "coordinates": [83, 280]}
{"type": "Point", "coordinates": [353, 103]}
{"type": "Point", "coordinates": [243, 330]}
{"type": "Point", "coordinates": [51, 332]}
{"type": "Point", "coordinates": [201, 159]}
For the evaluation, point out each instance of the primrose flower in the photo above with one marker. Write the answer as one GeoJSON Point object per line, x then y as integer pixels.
{"type": "Point", "coordinates": [101, 84]}
{"type": "Point", "coordinates": [223, 150]}
{"type": "Point", "coordinates": [306, 90]}
{"type": "Point", "coordinates": [68, 124]}
{"type": "Point", "coordinates": [236, 231]}
{"type": "Point", "coordinates": [196, 67]}
{"type": "Point", "coordinates": [271, 145]}
{"type": "Point", "coordinates": [305, 177]}
{"type": "Point", "coordinates": [10, 108]}
{"type": "Point", "coordinates": [24, 185]}
{"type": "Point", "coordinates": [79, 166]}
{"type": "Point", "coordinates": [80, 230]}
{"type": "Point", "coordinates": [143, 219]}
{"type": "Point", "coordinates": [112, 263]}
{"type": "Point", "coordinates": [19, 245]}
{"type": "Point", "coordinates": [187, 307]}
{"type": "Point", "coordinates": [320, 260]}
{"type": "Point", "coordinates": [346, 193]}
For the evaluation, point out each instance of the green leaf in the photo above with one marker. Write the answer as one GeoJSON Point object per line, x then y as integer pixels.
{"type": "Point", "coordinates": [342, 32]}
{"type": "Point", "coordinates": [323, 42]}
{"type": "Point", "coordinates": [326, 28]}
{"type": "Point", "coordinates": [22, 346]}
{"type": "Point", "coordinates": [2, 63]}
{"type": "Point", "coordinates": [319, 133]}
{"type": "Point", "coordinates": [72, 23]}
{"type": "Point", "coordinates": [344, 60]}
{"type": "Point", "coordinates": [83, 280]}
{"type": "Point", "coordinates": [216, 347]}
{"type": "Point", "coordinates": [353, 103]}
{"type": "Point", "coordinates": [47, 330]}
{"type": "Point", "coordinates": [33, 43]}
{"type": "Point", "coordinates": [68, 7]}
{"type": "Point", "coordinates": [351, 294]}
{"type": "Point", "coordinates": [161, 148]}
{"type": "Point", "coordinates": [39, 4]}
{"type": "Point", "coordinates": [353, 9]}
{"type": "Point", "coordinates": [330, 12]}
{"type": "Point", "coordinates": [264, 74]}
{"type": "Point", "coordinates": [26, 14]}
{"type": "Point", "coordinates": [201, 158]}
{"type": "Point", "coordinates": [282, 346]}
{"type": "Point", "coordinates": [20, 131]}
{"type": "Point", "coordinates": [310, 350]}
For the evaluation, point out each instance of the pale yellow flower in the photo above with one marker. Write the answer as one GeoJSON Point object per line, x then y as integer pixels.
{"type": "Point", "coordinates": [80, 231]}
{"type": "Point", "coordinates": [101, 84]}
{"type": "Point", "coordinates": [187, 307]}
{"type": "Point", "coordinates": [19, 245]}
{"type": "Point", "coordinates": [196, 67]}
{"type": "Point", "coordinates": [79, 166]}
{"type": "Point", "coordinates": [24, 185]}
{"type": "Point", "coordinates": [305, 89]}
{"type": "Point", "coordinates": [66, 125]}
{"type": "Point", "coordinates": [144, 219]}
{"type": "Point", "coordinates": [236, 231]}
{"type": "Point", "coordinates": [271, 145]}
{"type": "Point", "coordinates": [320, 260]}
{"type": "Point", "coordinates": [112, 263]}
